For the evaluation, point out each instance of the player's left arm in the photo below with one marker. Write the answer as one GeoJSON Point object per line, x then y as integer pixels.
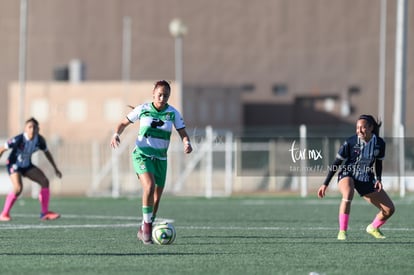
{"type": "Point", "coordinates": [378, 164]}
{"type": "Point", "coordinates": [45, 149]}
{"type": "Point", "coordinates": [378, 174]}
{"type": "Point", "coordinates": [52, 162]}
{"type": "Point", "coordinates": [186, 140]}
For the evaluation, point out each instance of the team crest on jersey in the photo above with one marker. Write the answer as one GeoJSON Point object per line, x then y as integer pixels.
{"type": "Point", "coordinates": [357, 149]}
{"type": "Point", "coordinates": [156, 123]}
{"type": "Point", "coordinates": [168, 116]}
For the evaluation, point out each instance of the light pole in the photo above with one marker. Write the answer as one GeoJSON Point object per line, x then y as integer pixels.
{"type": "Point", "coordinates": [22, 60]}
{"type": "Point", "coordinates": [178, 30]}
{"type": "Point", "coordinates": [400, 68]}
{"type": "Point", "coordinates": [400, 87]}
{"type": "Point", "coordinates": [382, 66]}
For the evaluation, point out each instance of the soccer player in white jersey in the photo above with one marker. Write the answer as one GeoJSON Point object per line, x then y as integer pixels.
{"type": "Point", "coordinates": [156, 122]}
{"type": "Point", "coordinates": [19, 164]}
{"type": "Point", "coordinates": [359, 162]}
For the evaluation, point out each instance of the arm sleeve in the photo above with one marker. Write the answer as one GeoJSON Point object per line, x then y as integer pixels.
{"type": "Point", "coordinates": [179, 121]}
{"type": "Point", "coordinates": [42, 144]}
{"type": "Point", "coordinates": [134, 114]}
{"type": "Point", "coordinates": [14, 142]}
{"type": "Point", "coordinates": [332, 170]}
{"type": "Point", "coordinates": [378, 169]}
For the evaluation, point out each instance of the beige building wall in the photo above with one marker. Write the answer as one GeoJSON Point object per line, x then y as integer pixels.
{"type": "Point", "coordinates": [89, 111]}
{"type": "Point", "coordinates": [83, 112]}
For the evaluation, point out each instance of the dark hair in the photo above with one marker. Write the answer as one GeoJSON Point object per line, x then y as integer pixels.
{"type": "Point", "coordinates": [163, 83]}
{"type": "Point", "coordinates": [372, 122]}
{"type": "Point", "coordinates": [33, 120]}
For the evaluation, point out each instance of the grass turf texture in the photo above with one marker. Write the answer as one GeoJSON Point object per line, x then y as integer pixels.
{"type": "Point", "coordinates": [249, 235]}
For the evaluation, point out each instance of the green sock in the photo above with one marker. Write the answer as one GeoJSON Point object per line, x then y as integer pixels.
{"type": "Point", "coordinates": [147, 213]}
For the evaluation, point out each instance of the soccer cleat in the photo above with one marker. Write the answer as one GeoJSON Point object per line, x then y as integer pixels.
{"type": "Point", "coordinates": [375, 232]}
{"type": "Point", "coordinates": [145, 232]}
{"type": "Point", "coordinates": [342, 235]}
{"type": "Point", "coordinates": [49, 216]}
{"type": "Point", "coordinates": [5, 218]}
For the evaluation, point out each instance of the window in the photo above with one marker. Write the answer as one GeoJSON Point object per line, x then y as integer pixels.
{"type": "Point", "coordinates": [113, 110]}
{"type": "Point", "coordinates": [77, 110]}
{"type": "Point", "coordinates": [279, 89]}
{"type": "Point", "coordinates": [40, 109]}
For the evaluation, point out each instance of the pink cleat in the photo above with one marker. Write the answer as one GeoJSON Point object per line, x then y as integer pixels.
{"type": "Point", "coordinates": [5, 217]}
{"type": "Point", "coordinates": [49, 216]}
{"type": "Point", "coordinates": [144, 233]}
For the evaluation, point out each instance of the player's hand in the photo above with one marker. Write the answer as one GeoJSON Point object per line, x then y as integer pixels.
{"type": "Point", "coordinates": [58, 173]}
{"type": "Point", "coordinates": [115, 141]}
{"type": "Point", "coordinates": [378, 185]}
{"type": "Point", "coordinates": [187, 148]}
{"type": "Point", "coordinates": [322, 191]}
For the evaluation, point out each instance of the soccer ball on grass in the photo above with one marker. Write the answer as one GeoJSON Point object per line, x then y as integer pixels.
{"type": "Point", "coordinates": [163, 233]}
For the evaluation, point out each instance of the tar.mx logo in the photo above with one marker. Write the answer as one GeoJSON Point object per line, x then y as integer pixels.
{"type": "Point", "coordinates": [304, 154]}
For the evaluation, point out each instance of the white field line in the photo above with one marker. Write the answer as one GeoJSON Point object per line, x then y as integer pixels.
{"type": "Point", "coordinates": [357, 200]}
{"type": "Point", "coordinates": [72, 226]}
{"type": "Point", "coordinates": [134, 225]}
{"type": "Point", "coordinates": [67, 226]}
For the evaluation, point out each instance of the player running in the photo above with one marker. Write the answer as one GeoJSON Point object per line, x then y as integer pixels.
{"type": "Point", "coordinates": [150, 154]}
{"type": "Point", "coordinates": [19, 164]}
{"type": "Point", "coordinates": [355, 161]}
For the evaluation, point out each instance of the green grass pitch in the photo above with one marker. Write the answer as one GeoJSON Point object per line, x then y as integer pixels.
{"type": "Point", "coordinates": [238, 235]}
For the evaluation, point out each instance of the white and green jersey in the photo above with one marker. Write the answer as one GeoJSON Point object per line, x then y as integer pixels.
{"type": "Point", "coordinates": [155, 128]}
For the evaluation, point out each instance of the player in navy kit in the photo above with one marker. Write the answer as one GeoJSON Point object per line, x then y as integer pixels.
{"type": "Point", "coordinates": [19, 164]}
{"type": "Point", "coordinates": [359, 162]}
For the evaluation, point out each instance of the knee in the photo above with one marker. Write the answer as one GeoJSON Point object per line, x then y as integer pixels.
{"type": "Point", "coordinates": [44, 183]}
{"type": "Point", "coordinates": [148, 189]}
{"type": "Point", "coordinates": [347, 195]}
{"type": "Point", "coordinates": [388, 211]}
{"type": "Point", "coordinates": [18, 191]}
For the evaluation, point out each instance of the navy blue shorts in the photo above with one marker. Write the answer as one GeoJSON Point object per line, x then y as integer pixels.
{"type": "Point", "coordinates": [13, 168]}
{"type": "Point", "coordinates": [362, 187]}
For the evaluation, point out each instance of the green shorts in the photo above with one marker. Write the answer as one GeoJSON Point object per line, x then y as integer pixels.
{"type": "Point", "coordinates": [144, 164]}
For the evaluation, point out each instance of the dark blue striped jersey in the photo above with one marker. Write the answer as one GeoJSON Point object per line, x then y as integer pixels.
{"type": "Point", "coordinates": [23, 148]}
{"type": "Point", "coordinates": [359, 157]}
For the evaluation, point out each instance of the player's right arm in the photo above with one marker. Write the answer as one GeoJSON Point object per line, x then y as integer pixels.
{"type": "Point", "coordinates": [342, 154]}
{"type": "Point", "coordinates": [115, 141]}
{"type": "Point", "coordinates": [332, 170]}
{"type": "Point", "coordinates": [2, 150]}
